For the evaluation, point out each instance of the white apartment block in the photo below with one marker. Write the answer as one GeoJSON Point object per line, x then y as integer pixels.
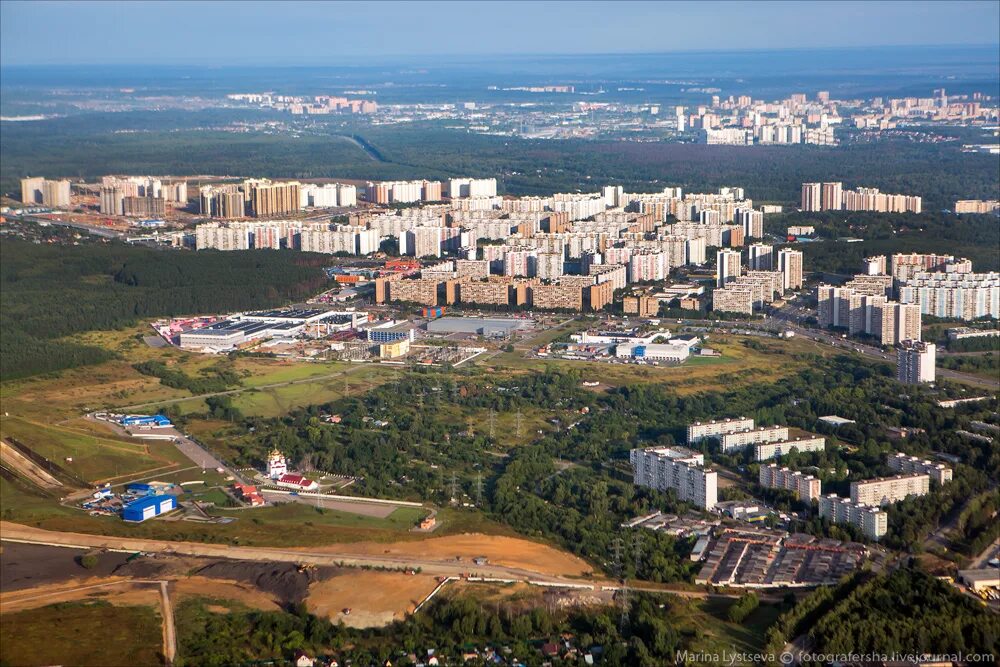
{"type": "Point", "coordinates": [769, 450]}
{"type": "Point", "coordinates": [806, 487]}
{"type": "Point", "coordinates": [887, 490]}
{"type": "Point", "coordinates": [965, 296]}
{"type": "Point", "coordinates": [472, 187]}
{"type": "Point", "coordinates": [915, 362]}
{"type": "Point", "coordinates": [731, 442]}
{"type": "Point", "coordinates": [677, 468]}
{"type": "Point", "coordinates": [728, 267]}
{"type": "Point", "coordinates": [902, 463]}
{"type": "Point", "coordinates": [873, 522]}
{"type": "Point", "coordinates": [699, 431]}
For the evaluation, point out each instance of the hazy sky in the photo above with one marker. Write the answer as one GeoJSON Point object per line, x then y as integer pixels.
{"type": "Point", "coordinates": [38, 32]}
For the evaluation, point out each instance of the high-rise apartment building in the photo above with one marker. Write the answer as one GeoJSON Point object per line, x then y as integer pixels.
{"type": "Point", "coordinates": [728, 267]}
{"type": "Point", "coordinates": [873, 266]}
{"type": "Point", "coordinates": [269, 199]}
{"type": "Point", "coordinates": [790, 265]}
{"type": "Point", "coordinates": [751, 221]}
{"type": "Point", "coordinates": [760, 257]}
{"type": "Point", "coordinates": [812, 197]}
{"type": "Point", "coordinates": [52, 194]}
{"type": "Point", "coordinates": [915, 362]}
{"type": "Point", "coordinates": [833, 196]}
{"type": "Point", "coordinates": [678, 469]}
{"type": "Point", "coordinates": [735, 299]}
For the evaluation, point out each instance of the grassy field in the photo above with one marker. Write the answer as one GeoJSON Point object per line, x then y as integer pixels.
{"type": "Point", "coordinates": [717, 633]}
{"type": "Point", "coordinates": [739, 364]}
{"type": "Point", "coordinates": [95, 458]}
{"type": "Point", "coordinates": [95, 634]}
{"type": "Point", "coordinates": [68, 394]}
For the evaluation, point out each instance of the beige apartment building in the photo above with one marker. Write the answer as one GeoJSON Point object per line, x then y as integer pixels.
{"type": "Point", "coordinates": [886, 490]}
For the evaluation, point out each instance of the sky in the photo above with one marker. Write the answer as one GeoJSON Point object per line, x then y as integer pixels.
{"type": "Point", "coordinates": [260, 33]}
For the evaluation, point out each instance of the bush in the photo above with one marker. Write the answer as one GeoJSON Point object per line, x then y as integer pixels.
{"type": "Point", "coordinates": [89, 561]}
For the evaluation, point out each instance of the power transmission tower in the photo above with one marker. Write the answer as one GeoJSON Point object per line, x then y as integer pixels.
{"type": "Point", "coordinates": [623, 598]}
{"type": "Point", "coordinates": [454, 489]}
{"type": "Point", "coordinates": [479, 489]}
{"type": "Point", "coordinates": [347, 386]}
{"type": "Point", "coordinates": [636, 551]}
{"type": "Point", "coordinates": [518, 423]}
{"type": "Point", "coordinates": [493, 416]}
{"type": "Point", "coordinates": [616, 563]}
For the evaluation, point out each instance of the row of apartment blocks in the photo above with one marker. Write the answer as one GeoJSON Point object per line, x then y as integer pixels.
{"type": "Point", "coordinates": [140, 196]}
{"type": "Point", "coordinates": [979, 206]}
{"type": "Point", "coordinates": [744, 292]}
{"type": "Point", "coordinates": [862, 509]}
{"type": "Point", "coordinates": [576, 293]}
{"type": "Point", "coordinates": [734, 435]}
{"type": "Point", "coordinates": [833, 197]}
{"type": "Point", "coordinates": [859, 312]}
{"type": "Point", "coordinates": [938, 472]}
{"type": "Point", "coordinates": [53, 194]}
{"type": "Point", "coordinates": [871, 521]}
{"type": "Point", "coordinates": [676, 469]}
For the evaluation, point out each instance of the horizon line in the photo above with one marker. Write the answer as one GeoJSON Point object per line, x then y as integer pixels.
{"type": "Point", "coordinates": [389, 57]}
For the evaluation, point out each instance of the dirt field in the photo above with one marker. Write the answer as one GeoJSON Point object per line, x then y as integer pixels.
{"type": "Point", "coordinates": [500, 550]}
{"type": "Point", "coordinates": [29, 565]}
{"type": "Point", "coordinates": [114, 590]}
{"type": "Point", "coordinates": [374, 598]}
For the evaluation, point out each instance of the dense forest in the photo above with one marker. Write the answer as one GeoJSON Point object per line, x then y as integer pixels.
{"type": "Point", "coordinates": [181, 143]}
{"type": "Point", "coordinates": [54, 291]}
{"type": "Point", "coordinates": [907, 612]}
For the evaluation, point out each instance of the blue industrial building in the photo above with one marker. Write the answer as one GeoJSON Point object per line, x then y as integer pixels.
{"type": "Point", "coordinates": [145, 420]}
{"type": "Point", "coordinates": [148, 507]}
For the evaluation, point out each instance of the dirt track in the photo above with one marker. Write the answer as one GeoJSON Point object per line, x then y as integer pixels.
{"type": "Point", "coordinates": [349, 555]}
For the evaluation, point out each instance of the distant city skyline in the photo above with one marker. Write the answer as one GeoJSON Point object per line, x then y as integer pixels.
{"type": "Point", "coordinates": [261, 33]}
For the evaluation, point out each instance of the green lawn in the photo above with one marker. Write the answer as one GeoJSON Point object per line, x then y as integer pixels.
{"type": "Point", "coordinates": [82, 634]}
{"type": "Point", "coordinates": [94, 458]}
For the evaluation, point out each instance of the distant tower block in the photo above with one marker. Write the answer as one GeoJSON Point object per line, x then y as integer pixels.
{"type": "Point", "coordinates": [276, 465]}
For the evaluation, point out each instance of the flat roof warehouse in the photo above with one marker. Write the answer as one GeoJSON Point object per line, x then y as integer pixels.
{"type": "Point", "coordinates": [485, 326]}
